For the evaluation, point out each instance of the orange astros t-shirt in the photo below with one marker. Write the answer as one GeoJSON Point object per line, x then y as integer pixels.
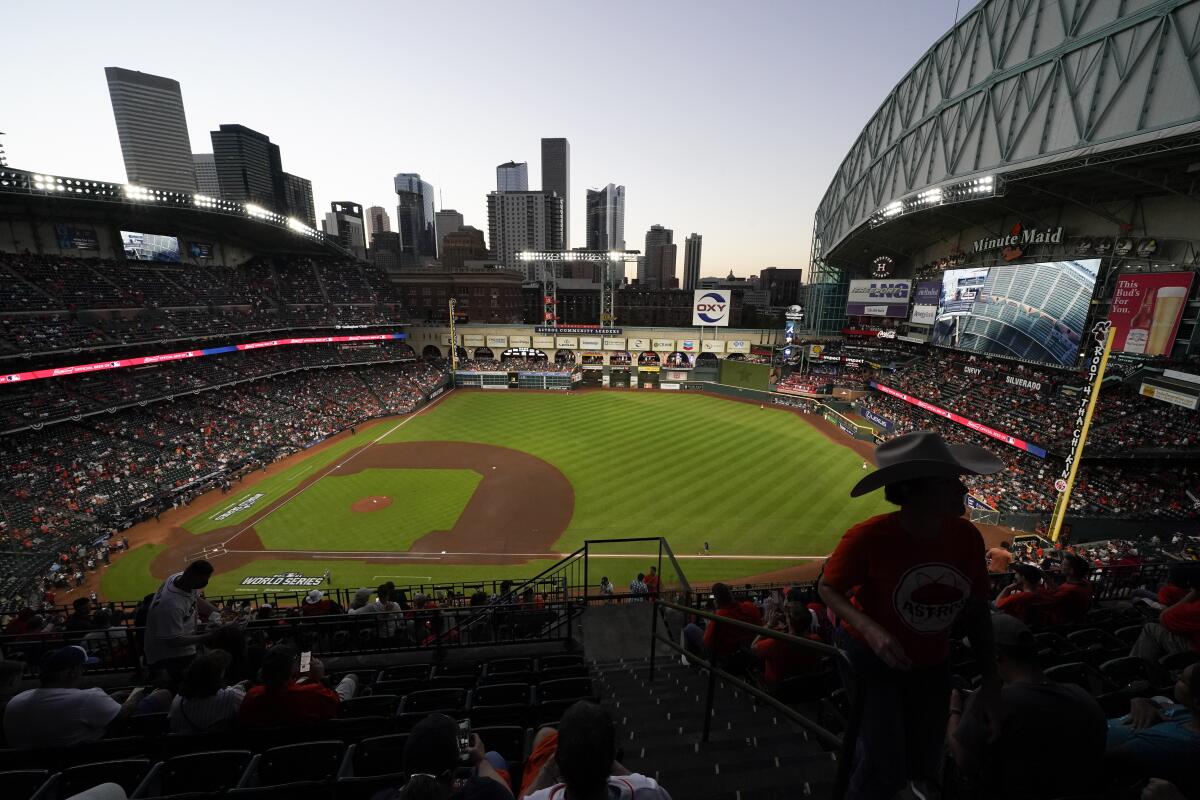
{"type": "Point", "coordinates": [914, 588]}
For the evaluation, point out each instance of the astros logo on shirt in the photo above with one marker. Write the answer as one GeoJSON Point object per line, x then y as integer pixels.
{"type": "Point", "coordinates": [929, 597]}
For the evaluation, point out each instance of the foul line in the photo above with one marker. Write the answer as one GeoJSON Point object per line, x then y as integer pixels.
{"type": "Point", "coordinates": [392, 554]}
{"type": "Point", "coordinates": [353, 455]}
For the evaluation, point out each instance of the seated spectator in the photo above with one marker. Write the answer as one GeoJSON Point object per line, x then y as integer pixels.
{"type": "Point", "coordinates": [1172, 589]}
{"type": "Point", "coordinates": [80, 619]}
{"type": "Point", "coordinates": [652, 582]}
{"type": "Point", "coordinates": [1038, 715]}
{"type": "Point", "coordinates": [638, 588]}
{"type": "Point", "coordinates": [583, 765]}
{"type": "Point", "coordinates": [438, 769]}
{"type": "Point", "coordinates": [722, 641]}
{"type": "Point", "coordinates": [387, 612]}
{"type": "Point", "coordinates": [204, 703]}
{"type": "Point", "coordinates": [606, 587]}
{"type": "Point", "coordinates": [59, 713]}
{"type": "Point", "coordinates": [1026, 597]}
{"type": "Point", "coordinates": [105, 637]}
{"type": "Point", "coordinates": [1073, 597]}
{"type": "Point", "coordinates": [998, 558]}
{"type": "Point", "coordinates": [286, 697]}
{"type": "Point", "coordinates": [1161, 739]}
{"type": "Point", "coordinates": [21, 623]}
{"type": "Point", "coordinates": [782, 660]}
{"type": "Point", "coordinates": [1177, 629]}
{"type": "Point", "coordinates": [316, 604]}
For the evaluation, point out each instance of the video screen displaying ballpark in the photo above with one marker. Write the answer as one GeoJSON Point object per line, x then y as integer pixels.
{"type": "Point", "coordinates": [1029, 311]}
{"type": "Point", "coordinates": [150, 246]}
{"type": "Point", "coordinates": [878, 297]}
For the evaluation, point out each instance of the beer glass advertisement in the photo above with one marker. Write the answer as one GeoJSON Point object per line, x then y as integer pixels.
{"type": "Point", "coordinates": [1146, 310]}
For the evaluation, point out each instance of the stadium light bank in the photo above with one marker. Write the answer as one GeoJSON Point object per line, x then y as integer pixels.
{"type": "Point", "coordinates": [981, 188]}
{"type": "Point", "coordinates": [22, 182]}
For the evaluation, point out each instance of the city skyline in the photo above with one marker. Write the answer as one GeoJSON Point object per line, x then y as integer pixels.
{"type": "Point", "coordinates": [748, 102]}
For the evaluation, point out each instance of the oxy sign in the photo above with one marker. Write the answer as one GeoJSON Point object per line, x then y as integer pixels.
{"type": "Point", "coordinates": [711, 307]}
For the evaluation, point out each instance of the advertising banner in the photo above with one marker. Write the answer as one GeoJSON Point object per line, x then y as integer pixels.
{"type": "Point", "coordinates": [150, 247]}
{"type": "Point", "coordinates": [595, 330]}
{"type": "Point", "coordinates": [664, 345]}
{"type": "Point", "coordinates": [1146, 310]}
{"type": "Point", "coordinates": [200, 249]}
{"type": "Point", "coordinates": [591, 342]}
{"type": "Point", "coordinates": [518, 341]}
{"type": "Point", "coordinates": [882, 422]}
{"type": "Point", "coordinates": [816, 350]}
{"type": "Point", "coordinates": [499, 342]}
{"type": "Point", "coordinates": [473, 340]}
{"type": "Point", "coordinates": [978, 427]}
{"type": "Point", "coordinates": [614, 344]}
{"type": "Point", "coordinates": [1188, 401]}
{"type": "Point", "coordinates": [712, 346]}
{"type": "Point", "coordinates": [925, 302]}
{"type": "Point", "coordinates": [737, 346]}
{"type": "Point", "coordinates": [639, 345]}
{"type": "Point", "coordinates": [568, 342]}
{"type": "Point", "coordinates": [71, 237]}
{"type": "Point", "coordinates": [711, 307]}
{"type": "Point", "coordinates": [688, 346]}
{"type": "Point", "coordinates": [543, 342]}
{"type": "Point", "coordinates": [142, 361]}
{"type": "Point", "coordinates": [878, 297]}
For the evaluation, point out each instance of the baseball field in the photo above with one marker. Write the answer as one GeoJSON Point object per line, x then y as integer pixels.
{"type": "Point", "coordinates": [485, 485]}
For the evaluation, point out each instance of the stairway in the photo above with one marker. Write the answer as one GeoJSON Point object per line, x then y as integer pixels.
{"type": "Point", "coordinates": [752, 752]}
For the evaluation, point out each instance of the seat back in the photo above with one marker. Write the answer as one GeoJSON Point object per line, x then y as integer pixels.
{"type": "Point", "coordinates": [564, 689]}
{"type": "Point", "coordinates": [501, 694]}
{"type": "Point", "coordinates": [434, 700]}
{"type": "Point", "coordinates": [126, 773]}
{"type": "Point", "coordinates": [554, 662]}
{"type": "Point", "coordinates": [307, 761]}
{"type": "Point", "coordinates": [147, 724]}
{"type": "Point", "coordinates": [1083, 675]}
{"type": "Point", "coordinates": [214, 771]}
{"type": "Point", "coordinates": [381, 755]}
{"type": "Point", "coordinates": [402, 672]}
{"type": "Point", "coordinates": [399, 686]}
{"type": "Point", "coordinates": [506, 665]}
{"type": "Point", "coordinates": [22, 784]}
{"type": "Point", "coordinates": [299, 790]}
{"type": "Point", "coordinates": [460, 668]}
{"type": "Point", "coordinates": [372, 705]}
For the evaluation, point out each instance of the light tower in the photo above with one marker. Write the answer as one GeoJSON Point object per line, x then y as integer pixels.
{"type": "Point", "coordinates": [548, 272]}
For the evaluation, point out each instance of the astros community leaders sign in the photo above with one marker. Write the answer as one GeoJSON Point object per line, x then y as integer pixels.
{"type": "Point", "coordinates": [711, 307]}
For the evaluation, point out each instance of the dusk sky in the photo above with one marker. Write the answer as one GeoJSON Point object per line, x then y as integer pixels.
{"type": "Point", "coordinates": [725, 119]}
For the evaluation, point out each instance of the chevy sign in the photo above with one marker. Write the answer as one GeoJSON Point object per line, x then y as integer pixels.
{"type": "Point", "coordinates": [711, 307]}
{"type": "Point", "coordinates": [879, 297]}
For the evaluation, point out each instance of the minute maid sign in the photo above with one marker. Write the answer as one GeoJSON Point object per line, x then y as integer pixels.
{"type": "Point", "coordinates": [711, 307]}
{"type": "Point", "coordinates": [1017, 238]}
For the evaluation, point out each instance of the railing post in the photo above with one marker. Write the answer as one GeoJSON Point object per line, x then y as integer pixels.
{"type": "Point", "coordinates": [587, 586]}
{"type": "Point", "coordinates": [653, 633]}
{"type": "Point", "coordinates": [708, 704]}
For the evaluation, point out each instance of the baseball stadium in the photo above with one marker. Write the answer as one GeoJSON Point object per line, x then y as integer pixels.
{"type": "Point", "coordinates": [1006, 256]}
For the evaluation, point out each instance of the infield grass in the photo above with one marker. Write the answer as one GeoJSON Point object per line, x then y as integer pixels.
{"type": "Point", "coordinates": [692, 468]}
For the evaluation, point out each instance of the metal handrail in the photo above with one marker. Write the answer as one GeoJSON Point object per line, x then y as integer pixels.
{"type": "Point", "coordinates": [845, 744]}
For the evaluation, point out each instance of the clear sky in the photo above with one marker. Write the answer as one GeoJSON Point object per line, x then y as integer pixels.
{"type": "Point", "coordinates": [722, 118]}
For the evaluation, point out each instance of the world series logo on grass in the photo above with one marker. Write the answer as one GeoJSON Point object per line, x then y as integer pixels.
{"type": "Point", "coordinates": [282, 579]}
{"type": "Point", "coordinates": [237, 507]}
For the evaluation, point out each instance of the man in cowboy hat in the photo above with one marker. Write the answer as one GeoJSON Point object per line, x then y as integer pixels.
{"type": "Point", "coordinates": [898, 582]}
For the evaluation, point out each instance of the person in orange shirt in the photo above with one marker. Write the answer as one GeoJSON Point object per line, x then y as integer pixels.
{"type": "Point", "coordinates": [1000, 558]}
{"type": "Point", "coordinates": [718, 641]}
{"type": "Point", "coordinates": [898, 582]}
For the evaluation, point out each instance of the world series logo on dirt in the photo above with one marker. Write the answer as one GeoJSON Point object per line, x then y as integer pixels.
{"type": "Point", "coordinates": [282, 579]}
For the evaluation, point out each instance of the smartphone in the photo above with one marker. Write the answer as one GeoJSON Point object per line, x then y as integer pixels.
{"type": "Point", "coordinates": [305, 662]}
{"type": "Point", "coordinates": [464, 736]}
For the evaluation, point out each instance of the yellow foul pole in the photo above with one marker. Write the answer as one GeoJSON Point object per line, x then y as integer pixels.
{"type": "Point", "coordinates": [453, 344]}
{"type": "Point", "coordinates": [1102, 334]}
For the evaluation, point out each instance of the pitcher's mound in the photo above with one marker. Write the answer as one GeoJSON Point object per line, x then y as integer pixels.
{"type": "Point", "coordinates": [373, 503]}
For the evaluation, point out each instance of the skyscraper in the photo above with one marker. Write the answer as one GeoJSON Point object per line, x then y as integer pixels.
{"type": "Point", "coordinates": [249, 167]}
{"type": "Point", "coordinates": [512, 177]}
{"type": "Point", "coordinates": [520, 221]}
{"type": "Point", "coordinates": [784, 286]}
{"type": "Point", "coordinates": [152, 127]}
{"type": "Point", "coordinates": [659, 267]}
{"type": "Point", "coordinates": [206, 175]}
{"type": "Point", "coordinates": [462, 245]}
{"type": "Point", "coordinates": [556, 177]}
{"type": "Point", "coordinates": [298, 199]}
{"type": "Point", "coordinates": [606, 218]}
{"type": "Point", "coordinates": [691, 260]}
{"type": "Point", "coordinates": [414, 218]}
{"type": "Point", "coordinates": [344, 222]}
{"type": "Point", "coordinates": [378, 221]}
{"type": "Point", "coordinates": [444, 222]}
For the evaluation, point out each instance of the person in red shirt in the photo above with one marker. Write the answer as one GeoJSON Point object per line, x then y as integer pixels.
{"type": "Point", "coordinates": [286, 698]}
{"type": "Point", "coordinates": [1026, 597]}
{"type": "Point", "coordinates": [1073, 597]}
{"type": "Point", "coordinates": [316, 604]}
{"type": "Point", "coordinates": [718, 641]}
{"type": "Point", "coordinates": [652, 582]}
{"type": "Point", "coordinates": [897, 583]}
{"type": "Point", "coordinates": [1177, 629]}
{"type": "Point", "coordinates": [782, 660]}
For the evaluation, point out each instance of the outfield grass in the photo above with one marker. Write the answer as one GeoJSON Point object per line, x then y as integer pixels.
{"type": "Point", "coordinates": [688, 467]}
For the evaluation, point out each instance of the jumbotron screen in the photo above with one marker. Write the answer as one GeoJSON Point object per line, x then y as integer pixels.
{"type": "Point", "coordinates": [1034, 312]}
{"type": "Point", "coordinates": [150, 246]}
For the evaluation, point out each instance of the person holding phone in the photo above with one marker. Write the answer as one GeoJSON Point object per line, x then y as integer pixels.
{"type": "Point", "coordinates": [439, 766]}
{"type": "Point", "coordinates": [286, 697]}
